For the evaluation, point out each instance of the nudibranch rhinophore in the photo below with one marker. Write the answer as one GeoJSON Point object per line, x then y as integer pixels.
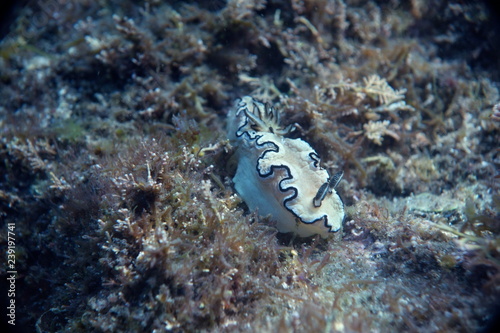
{"type": "Point", "coordinates": [282, 177]}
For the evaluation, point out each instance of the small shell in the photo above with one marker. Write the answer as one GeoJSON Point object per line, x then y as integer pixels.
{"type": "Point", "coordinates": [282, 177]}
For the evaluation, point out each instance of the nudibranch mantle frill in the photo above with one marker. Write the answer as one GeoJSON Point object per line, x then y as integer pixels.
{"type": "Point", "coordinates": [279, 176]}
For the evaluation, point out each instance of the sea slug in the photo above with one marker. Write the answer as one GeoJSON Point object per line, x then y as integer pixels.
{"type": "Point", "coordinates": [282, 177]}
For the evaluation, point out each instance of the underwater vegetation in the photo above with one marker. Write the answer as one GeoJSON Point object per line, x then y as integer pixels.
{"type": "Point", "coordinates": [116, 170]}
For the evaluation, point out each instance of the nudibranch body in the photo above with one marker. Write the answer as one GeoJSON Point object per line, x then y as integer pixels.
{"type": "Point", "coordinates": [282, 177]}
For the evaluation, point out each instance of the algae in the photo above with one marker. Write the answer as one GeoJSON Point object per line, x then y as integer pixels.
{"type": "Point", "coordinates": [115, 169]}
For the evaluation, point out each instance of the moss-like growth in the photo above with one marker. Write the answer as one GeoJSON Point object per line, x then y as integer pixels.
{"type": "Point", "coordinates": [115, 169]}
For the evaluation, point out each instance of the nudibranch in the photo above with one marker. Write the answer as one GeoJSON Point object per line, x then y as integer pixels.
{"type": "Point", "coordinates": [280, 176]}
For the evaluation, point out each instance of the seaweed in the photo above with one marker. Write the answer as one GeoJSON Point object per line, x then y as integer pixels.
{"type": "Point", "coordinates": [116, 170]}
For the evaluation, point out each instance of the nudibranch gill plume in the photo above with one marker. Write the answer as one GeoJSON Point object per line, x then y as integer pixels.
{"type": "Point", "coordinates": [280, 176]}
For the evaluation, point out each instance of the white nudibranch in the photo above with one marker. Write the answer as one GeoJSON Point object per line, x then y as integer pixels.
{"type": "Point", "coordinates": [282, 177]}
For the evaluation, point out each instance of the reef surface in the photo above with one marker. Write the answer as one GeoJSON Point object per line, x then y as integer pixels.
{"type": "Point", "coordinates": [116, 174]}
